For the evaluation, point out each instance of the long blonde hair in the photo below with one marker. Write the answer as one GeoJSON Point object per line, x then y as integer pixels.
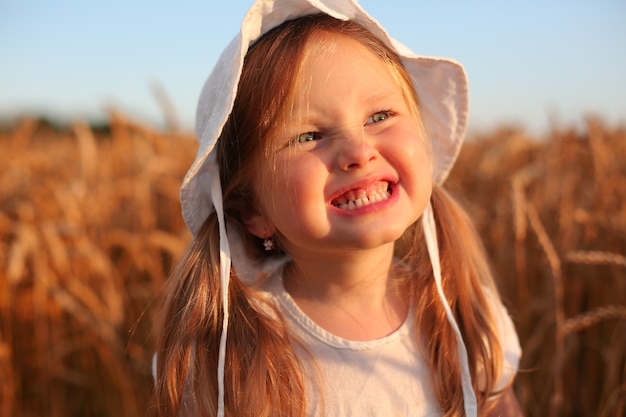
{"type": "Point", "coordinates": [263, 376]}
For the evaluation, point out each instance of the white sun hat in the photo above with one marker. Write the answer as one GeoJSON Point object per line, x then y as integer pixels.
{"type": "Point", "coordinates": [441, 86]}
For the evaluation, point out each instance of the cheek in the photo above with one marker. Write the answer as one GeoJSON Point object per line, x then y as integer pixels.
{"type": "Point", "coordinates": [293, 185]}
{"type": "Point", "coordinates": [413, 156]}
{"type": "Point", "coordinates": [409, 145]}
{"type": "Point", "coordinates": [422, 171]}
{"type": "Point", "coordinates": [423, 164]}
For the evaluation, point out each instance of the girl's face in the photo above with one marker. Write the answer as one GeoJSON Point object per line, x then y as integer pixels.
{"type": "Point", "coordinates": [351, 170]}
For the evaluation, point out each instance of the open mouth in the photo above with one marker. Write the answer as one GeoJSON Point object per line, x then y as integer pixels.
{"type": "Point", "coordinates": [362, 197]}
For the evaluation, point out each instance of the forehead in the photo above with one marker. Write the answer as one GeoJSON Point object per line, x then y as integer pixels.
{"type": "Point", "coordinates": [338, 67]}
{"type": "Point", "coordinates": [335, 49]}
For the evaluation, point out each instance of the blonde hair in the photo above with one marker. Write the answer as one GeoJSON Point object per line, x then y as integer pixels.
{"type": "Point", "coordinates": [263, 376]}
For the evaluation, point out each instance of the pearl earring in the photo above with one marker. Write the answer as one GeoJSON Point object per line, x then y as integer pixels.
{"type": "Point", "coordinates": [268, 244]}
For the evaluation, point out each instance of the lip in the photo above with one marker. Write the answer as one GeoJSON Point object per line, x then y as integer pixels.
{"type": "Point", "coordinates": [361, 184]}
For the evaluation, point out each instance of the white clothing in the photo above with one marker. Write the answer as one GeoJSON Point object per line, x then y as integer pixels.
{"type": "Point", "coordinates": [381, 377]}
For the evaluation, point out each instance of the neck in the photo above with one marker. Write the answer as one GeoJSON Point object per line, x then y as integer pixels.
{"type": "Point", "coordinates": [355, 295]}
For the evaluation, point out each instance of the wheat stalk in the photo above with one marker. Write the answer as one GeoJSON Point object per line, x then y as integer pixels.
{"type": "Point", "coordinates": [100, 326]}
{"type": "Point", "coordinates": [56, 248]}
{"type": "Point", "coordinates": [7, 387]}
{"type": "Point", "coordinates": [24, 247]}
{"type": "Point", "coordinates": [596, 258]}
{"type": "Point", "coordinates": [559, 312]}
{"type": "Point", "coordinates": [88, 151]}
{"type": "Point", "coordinates": [599, 152]}
{"type": "Point", "coordinates": [590, 318]}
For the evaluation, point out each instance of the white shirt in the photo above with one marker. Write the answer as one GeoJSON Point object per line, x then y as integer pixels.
{"type": "Point", "coordinates": [381, 377]}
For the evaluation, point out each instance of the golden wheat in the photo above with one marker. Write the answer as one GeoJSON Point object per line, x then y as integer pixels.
{"type": "Point", "coordinates": [596, 258]}
{"type": "Point", "coordinates": [565, 280]}
{"type": "Point", "coordinates": [90, 226]}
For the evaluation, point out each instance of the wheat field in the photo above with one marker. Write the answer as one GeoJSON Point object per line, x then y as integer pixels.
{"type": "Point", "coordinates": [90, 225]}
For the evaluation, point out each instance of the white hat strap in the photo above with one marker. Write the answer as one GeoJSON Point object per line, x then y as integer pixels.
{"type": "Point", "coordinates": [225, 261]}
{"type": "Point", "coordinates": [430, 234]}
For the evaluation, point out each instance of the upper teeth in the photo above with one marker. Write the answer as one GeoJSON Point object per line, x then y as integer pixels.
{"type": "Point", "coordinates": [351, 200]}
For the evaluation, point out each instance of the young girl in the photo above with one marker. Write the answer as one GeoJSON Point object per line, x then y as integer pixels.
{"type": "Point", "coordinates": [358, 287]}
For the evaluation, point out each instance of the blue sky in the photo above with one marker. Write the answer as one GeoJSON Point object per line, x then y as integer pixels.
{"type": "Point", "coordinates": [530, 63]}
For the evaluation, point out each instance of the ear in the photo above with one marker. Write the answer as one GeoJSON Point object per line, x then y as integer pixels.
{"type": "Point", "coordinates": [257, 223]}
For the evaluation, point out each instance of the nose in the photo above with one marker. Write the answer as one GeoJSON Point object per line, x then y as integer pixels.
{"type": "Point", "coordinates": [355, 150]}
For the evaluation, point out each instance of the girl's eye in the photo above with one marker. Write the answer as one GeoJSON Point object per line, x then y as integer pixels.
{"type": "Point", "coordinates": [306, 137]}
{"type": "Point", "coordinates": [378, 117]}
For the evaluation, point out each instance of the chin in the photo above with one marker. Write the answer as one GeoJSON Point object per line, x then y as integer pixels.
{"type": "Point", "coordinates": [378, 241]}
